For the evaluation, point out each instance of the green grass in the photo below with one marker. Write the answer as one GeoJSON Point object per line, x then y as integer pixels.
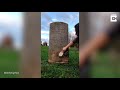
{"type": "Point", "coordinates": [70, 70]}
{"type": "Point", "coordinates": [8, 63]}
{"type": "Point", "coordinates": [105, 67]}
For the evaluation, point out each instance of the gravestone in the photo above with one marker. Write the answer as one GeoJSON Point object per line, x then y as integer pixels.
{"type": "Point", "coordinates": [41, 43]}
{"type": "Point", "coordinates": [31, 63]}
{"type": "Point", "coordinates": [7, 42]}
{"type": "Point", "coordinates": [84, 36]}
{"type": "Point", "coordinates": [58, 40]}
{"type": "Point", "coordinates": [45, 44]}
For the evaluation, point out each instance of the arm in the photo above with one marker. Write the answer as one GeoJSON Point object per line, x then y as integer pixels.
{"type": "Point", "coordinates": [97, 42]}
{"type": "Point", "coordinates": [70, 44]}
{"type": "Point", "coordinates": [92, 45]}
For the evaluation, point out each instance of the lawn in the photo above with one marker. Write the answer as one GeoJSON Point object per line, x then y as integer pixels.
{"type": "Point", "coordinates": [105, 67]}
{"type": "Point", "coordinates": [70, 70]}
{"type": "Point", "coordinates": [8, 63]}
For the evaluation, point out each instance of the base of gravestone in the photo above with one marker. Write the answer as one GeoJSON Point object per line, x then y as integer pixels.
{"type": "Point", "coordinates": [56, 59]}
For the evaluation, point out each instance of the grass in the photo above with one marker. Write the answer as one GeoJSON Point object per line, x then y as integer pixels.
{"type": "Point", "coordinates": [70, 70]}
{"type": "Point", "coordinates": [105, 67]}
{"type": "Point", "coordinates": [8, 63]}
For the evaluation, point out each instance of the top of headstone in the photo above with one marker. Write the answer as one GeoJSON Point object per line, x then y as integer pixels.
{"type": "Point", "coordinates": [58, 22]}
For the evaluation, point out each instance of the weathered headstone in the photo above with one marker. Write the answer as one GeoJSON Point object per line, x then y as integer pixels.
{"type": "Point", "coordinates": [7, 42]}
{"type": "Point", "coordinates": [31, 64]}
{"type": "Point", "coordinates": [58, 40]}
{"type": "Point", "coordinates": [41, 43]}
{"type": "Point", "coordinates": [84, 36]}
{"type": "Point", "coordinates": [45, 44]}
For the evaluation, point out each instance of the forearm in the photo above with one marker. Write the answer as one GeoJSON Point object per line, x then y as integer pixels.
{"type": "Point", "coordinates": [70, 44]}
{"type": "Point", "coordinates": [96, 43]}
{"type": "Point", "coordinates": [92, 46]}
{"type": "Point", "coordinates": [73, 42]}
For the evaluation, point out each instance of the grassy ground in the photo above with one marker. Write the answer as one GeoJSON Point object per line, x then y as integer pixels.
{"type": "Point", "coordinates": [70, 70]}
{"type": "Point", "coordinates": [8, 63]}
{"type": "Point", "coordinates": [105, 67]}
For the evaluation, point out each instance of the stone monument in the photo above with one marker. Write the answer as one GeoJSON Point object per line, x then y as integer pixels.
{"type": "Point", "coordinates": [58, 39]}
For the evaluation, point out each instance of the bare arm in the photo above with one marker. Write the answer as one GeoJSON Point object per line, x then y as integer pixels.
{"type": "Point", "coordinates": [71, 43]}
{"type": "Point", "coordinates": [97, 42]}
{"type": "Point", "coordinates": [91, 46]}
